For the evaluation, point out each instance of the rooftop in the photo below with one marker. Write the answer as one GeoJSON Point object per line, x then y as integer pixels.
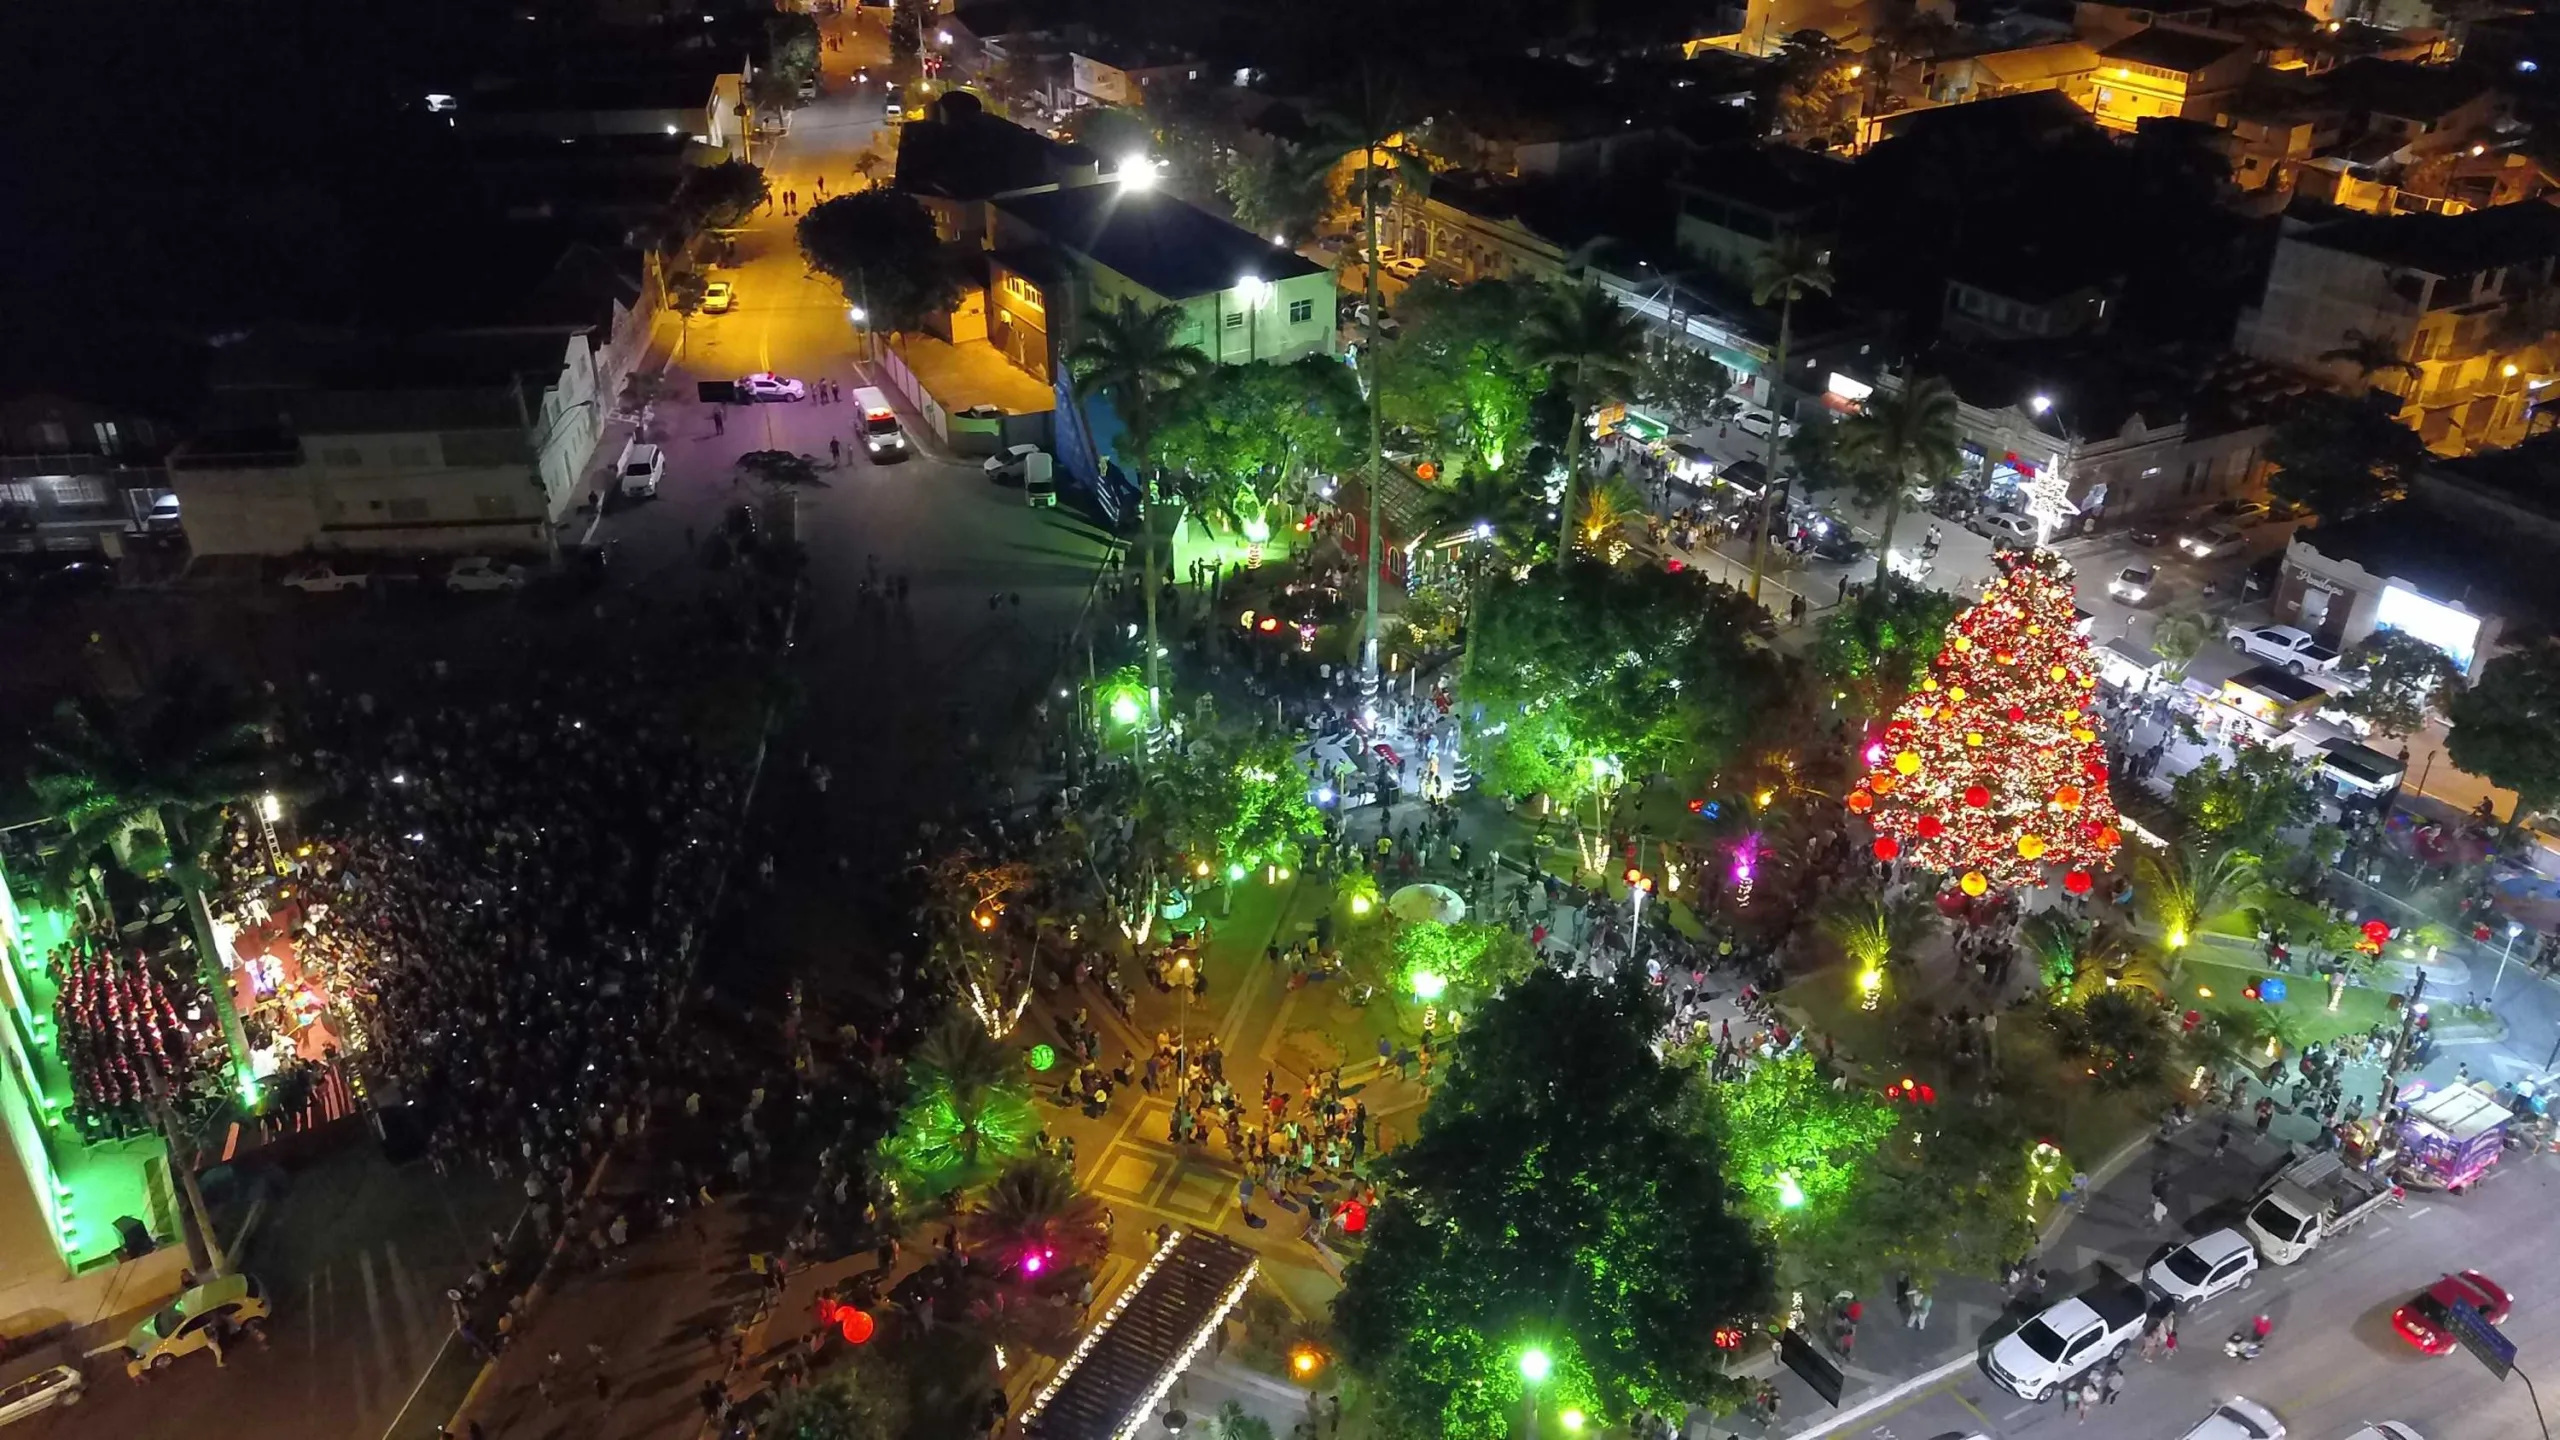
{"type": "Point", "coordinates": [2397, 87]}
{"type": "Point", "coordinates": [1151, 1332]}
{"type": "Point", "coordinates": [2099, 387]}
{"type": "Point", "coordinates": [964, 153]}
{"type": "Point", "coordinates": [2183, 51]}
{"type": "Point", "coordinates": [1157, 239]}
{"type": "Point", "coordinates": [1778, 178]}
{"type": "Point", "coordinates": [2447, 558]}
{"type": "Point", "coordinates": [2445, 244]}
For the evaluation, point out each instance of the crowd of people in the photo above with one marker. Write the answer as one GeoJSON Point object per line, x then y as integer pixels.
{"type": "Point", "coordinates": [124, 1037]}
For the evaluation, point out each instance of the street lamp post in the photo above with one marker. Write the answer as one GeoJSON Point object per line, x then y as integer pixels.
{"type": "Point", "coordinates": [1535, 1365]}
{"type": "Point", "coordinates": [2514, 929]}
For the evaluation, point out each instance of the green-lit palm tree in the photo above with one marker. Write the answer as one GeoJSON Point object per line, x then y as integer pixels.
{"type": "Point", "coordinates": [1785, 273]}
{"type": "Point", "coordinates": [1872, 933]}
{"type": "Point", "coordinates": [1592, 346]}
{"type": "Point", "coordinates": [1033, 1206]}
{"type": "Point", "coordinates": [1371, 126]}
{"type": "Point", "coordinates": [1610, 508]}
{"type": "Point", "coordinates": [146, 784]}
{"type": "Point", "coordinates": [1899, 441]}
{"type": "Point", "coordinates": [2192, 886]}
{"type": "Point", "coordinates": [1132, 354]}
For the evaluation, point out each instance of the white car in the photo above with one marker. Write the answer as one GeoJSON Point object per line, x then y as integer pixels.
{"type": "Point", "coordinates": [479, 572]}
{"type": "Point", "coordinates": [764, 385]}
{"type": "Point", "coordinates": [2238, 1418]}
{"type": "Point", "coordinates": [163, 514]}
{"type": "Point", "coordinates": [2212, 542]}
{"type": "Point", "coordinates": [1755, 422]}
{"type": "Point", "coordinates": [2284, 645]}
{"type": "Point", "coordinates": [2207, 1266]}
{"type": "Point", "coordinates": [1406, 267]}
{"type": "Point", "coordinates": [2386, 1430]}
{"type": "Point", "coordinates": [325, 577]}
{"type": "Point", "coordinates": [718, 299]}
{"type": "Point", "coordinates": [2133, 583]}
{"type": "Point", "coordinates": [61, 1385]}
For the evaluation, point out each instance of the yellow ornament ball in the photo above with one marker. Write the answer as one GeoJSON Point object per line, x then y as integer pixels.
{"type": "Point", "coordinates": [1956, 693]}
{"type": "Point", "coordinates": [2058, 674]}
{"type": "Point", "coordinates": [1963, 643]}
{"type": "Point", "coordinates": [1973, 737]}
{"type": "Point", "coordinates": [1973, 883]}
{"type": "Point", "coordinates": [2084, 736]}
{"type": "Point", "coordinates": [1929, 683]}
{"type": "Point", "coordinates": [2030, 846]}
{"type": "Point", "coordinates": [1907, 762]}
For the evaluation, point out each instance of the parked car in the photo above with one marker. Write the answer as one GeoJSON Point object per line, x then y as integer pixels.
{"type": "Point", "coordinates": [2284, 645]}
{"type": "Point", "coordinates": [719, 297]}
{"type": "Point", "coordinates": [1028, 466]}
{"type": "Point", "coordinates": [2426, 1321]}
{"type": "Point", "coordinates": [2386, 1430]}
{"type": "Point", "coordinates": [642, 467]}
{"type": "Point", "coordinates": [1406, 267]}
{"type": "Point", "coordinates": [2212, 542]}
{"type": "Point", "coordinates": [2238, 1418]}
{"type": "Point", "coordinates": [61, 1385]}
{"type": "Point", "coordinates": [163, 514]}
{"type": "Point", "coordinates": [204, 1318]}
{"type": "Point", "coordinates": [2241, 512]}
{"type": "Point", "coordinates": [2132, 584]}
{"type": "Point", "coordinates": [765, 385]}
{"type": "Point", "coordinates": [2002, 527]}
{"type": "Point", "coordinates": [1754, 421]}
{"type": "Point", "coordinates": [478, 573]}
{"type": "Point", "coordinates": [326, 577]}
{"type": "Point", "coordinates": [2203, 1268]}
{"type": "Point", "coordinates": [2068, 1339]}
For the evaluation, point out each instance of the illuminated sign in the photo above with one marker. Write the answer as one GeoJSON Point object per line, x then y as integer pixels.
{"type": "Point", "coordinates": [2455, 632]}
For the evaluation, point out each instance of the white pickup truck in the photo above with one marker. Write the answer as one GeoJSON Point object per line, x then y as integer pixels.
{"type": "Point", "coordinates": [2310, 1200]}
{"type": "Point", "coordinates": [2068, 1339]}
{"type": "Point", "coordinates": [2284, 645]}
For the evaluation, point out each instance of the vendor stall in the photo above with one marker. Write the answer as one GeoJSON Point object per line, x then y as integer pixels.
{"type": "Point", "coordinates": [2450, 1137]}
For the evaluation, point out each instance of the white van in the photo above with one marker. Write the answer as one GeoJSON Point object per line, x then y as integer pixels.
{"type": "Point", "coordinates": [881, 437]}
{"type": "Point", "coordinates": [642, 467]}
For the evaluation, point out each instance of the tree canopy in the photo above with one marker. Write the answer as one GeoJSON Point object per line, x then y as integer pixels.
{"type": "Point", "coordinates": [2243, 802]}
{"type": "Point", "coordinates": [2338, 454]}
{"type": "Point", "coordinates": [2507, 727]}
{"type": "Point", "coordinates": [1238, 801]}
{"type": "Point", "coordinates": [880, 248]}
{"type": "Point", "coordinates": [1880, 644]}
{"type": "Point", "coordinates": [1647, 667]}
{"type": "Point", "coordinates": [719, 196]}
{"type": "Point", "coordinates": [1240, 437]}
{"type": "Point", "coordinates": [1455, 374]}
{"type": "Point", "coordinates": [1564, 1195]}
{"type": "Point", "coordinates": [2405, 680]}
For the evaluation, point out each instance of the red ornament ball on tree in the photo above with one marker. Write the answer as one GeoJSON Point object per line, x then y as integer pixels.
{"type": "Point", "coordinates": [1977, 796]}
{"type": "Point", "coordinates": [2077, 882]}
{"type": "Point", "coordinates": [1931, 827]}
{"type": "Point", "coordinates": [2016, 714]}
{"type": "Point", "coordinates": [1861, 802]}
{"type": "Point", "coordinates": [1887, 847]}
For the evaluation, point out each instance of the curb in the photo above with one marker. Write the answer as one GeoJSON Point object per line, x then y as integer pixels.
{"type": "Point", "coordinates": [2108, 1169]}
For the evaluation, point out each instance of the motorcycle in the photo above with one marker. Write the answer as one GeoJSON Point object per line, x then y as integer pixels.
{"type": "Point", "coordinates": [2243, 1346]}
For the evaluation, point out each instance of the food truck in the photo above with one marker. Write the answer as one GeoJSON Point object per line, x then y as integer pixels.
{"type": "Point", "coordinates": [2450, 1137]}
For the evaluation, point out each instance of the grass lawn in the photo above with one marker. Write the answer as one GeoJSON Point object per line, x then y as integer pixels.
{"type": "Point", "coordinates": [2306, 1001]}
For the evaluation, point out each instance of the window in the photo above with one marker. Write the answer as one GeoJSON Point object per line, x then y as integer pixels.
{"type": "Point", "coordinates": [1301, 311]}
{"type": "Point", "coordinates": [17, 492]}
{"type": "Point", "coordinates": [110, 440]}
{"type": "Point", "coordinates": [75, 489]}
{"type": "Point", "coordinates": [408, 509]}
{"type": "Point", "coordinates": [1235, 319]}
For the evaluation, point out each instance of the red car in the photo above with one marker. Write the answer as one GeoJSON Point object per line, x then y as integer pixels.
{"type": "Point", "coordinates": [2427, 1320]}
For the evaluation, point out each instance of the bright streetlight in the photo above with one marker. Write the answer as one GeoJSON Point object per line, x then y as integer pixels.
{"type": "Point", "coordinates": [1137, 172]}
{"type": "Point", "coordinates": [1535, 1365]}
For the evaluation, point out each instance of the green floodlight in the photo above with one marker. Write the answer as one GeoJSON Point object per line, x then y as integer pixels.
{"type": "Point", "coordinates": [1427, 986]}
{"type": "Point", "coordinates": [1127, 708]}
{"type": "Point", "coordinates": [1535, 1365]}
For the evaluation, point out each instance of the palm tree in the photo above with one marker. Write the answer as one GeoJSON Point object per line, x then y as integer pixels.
{"type": "Point", "coordinates": [146, 783]}
{"type": "Point", "coordinates": [1785, 272]}
{"type": "Point", "coordinates": [1130, 353]}
{"type": "Point", "coordinates": [2192, 886]}
{"type": "Point", "coordinates": [1591, 345]}
{"type": "Point", "coordinates": [1872, 933]}
{"type": "Point", "coordinates": [1034, 1207]}
{"type": "Point", "coordinates": [1609, 507]}
{"type": "Point", "coordinates": [2370, 355]}
{"type": "Point", "coordinates": [1387, 168]}
{"type": "Point", "coordinates": [1899, 441]}
{"type": "Point", "coordinates": [2177, 640]}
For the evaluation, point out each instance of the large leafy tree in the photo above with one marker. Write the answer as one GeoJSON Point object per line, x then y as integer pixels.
{"type": "Point", "coordinates": [1242, 437]}
{"type": "Point", "coordinates": [1459, 375]}
{"type": "Point", "coordinates": [1033, 1206]}
{"type": "Point", "coordinates": [1592, 346]}
{"type": "Point", "coordinates": [2405, 680]}
{"type": "Point", "coordinates": [719, 196]}
{"type": "Point", "coordinates": [1238, 801]}
{"type": "Point", "coordinates": [2507, 727]}
{"type": "Point", "coordinates": [1133, 355]}
{"type": "Point", "coordinates": [2337, 455]}
{"type": "Point", "coordinates": [2242, 802]}
{"type": "Point", "coordinates": [1565, 1196]}
{"type": "Point", "coordinates": [863, 1399]}
{"type": "Point", "coordinates": [1114, 132]}
{"type": "Point", "coordinates": [1281, 193]}
{"type": "Point", "coordinates": [1898, 443]}
{"type": "Point", "coordinates": [1793, 1145]}
{"type": "Point", "coordinates": [1880, 644]}
{"type": "Point", "coordinates": [1648, 667]}
{"type": "Point", "coordinates": [880, 248]}
{"type": "Point", "coordinates": [1682, 379]}
{"type": "Point", "coordinates": [1785, 273]}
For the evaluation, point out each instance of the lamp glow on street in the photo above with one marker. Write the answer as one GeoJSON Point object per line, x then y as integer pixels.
{"type": "Point", "coordinates": [1427, 986]}
{"type": "Point", "coordinates": [1535, 1365]}
{"type": "Point", "coordinates": [2040, 403]}
{"type": "Point", "coordinates": [1125, 708]}
{"type": "Point", "coordinates": [856, 314]}
{"type": "Point", "coordinates": [1572, 1419]}
{"type": "Point", "coordinates": [1137, 172]}
{"type": "Point", "coordinates": [1790, 1194]}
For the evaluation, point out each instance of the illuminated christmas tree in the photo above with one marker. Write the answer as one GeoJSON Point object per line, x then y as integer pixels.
{"type": "Point", "coordinates": [1993, 772]}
